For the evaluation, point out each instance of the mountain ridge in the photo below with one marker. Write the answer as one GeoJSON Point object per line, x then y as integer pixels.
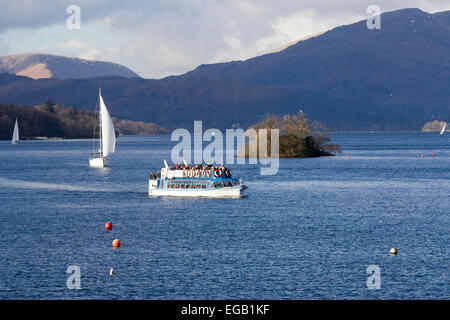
{"type": "Point", "coordinates": [350, 78]}
{"type": "Point", "coordinates": [39, 65]}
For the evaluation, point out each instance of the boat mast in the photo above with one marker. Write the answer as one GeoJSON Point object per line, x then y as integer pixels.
{"type": "Point", "coordinates": [100, 121]}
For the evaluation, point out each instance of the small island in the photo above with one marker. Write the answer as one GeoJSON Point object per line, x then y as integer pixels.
{"type": "Point", "coordinates": [50, 121]}
{"type": "Point", "coordinates": [298, 137]}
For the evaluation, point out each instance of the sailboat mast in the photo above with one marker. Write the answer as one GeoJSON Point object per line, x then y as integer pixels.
{"type": "Point", "coordinates": [100, 121]}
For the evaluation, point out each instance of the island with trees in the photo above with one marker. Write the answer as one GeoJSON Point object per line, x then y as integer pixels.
{"type": "Point", "coordinates": [298, 137]}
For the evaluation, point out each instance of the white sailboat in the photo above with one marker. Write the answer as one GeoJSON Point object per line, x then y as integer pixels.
{"type": "Point", "coordinates": [107, 139]}
{"type": "Point", "coordinates": [443, 128]}
{"type": "Point", "coordinates": [15, 137]}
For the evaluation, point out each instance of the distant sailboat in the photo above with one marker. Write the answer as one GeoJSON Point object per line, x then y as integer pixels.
{"type": "Point", "coordinates": [107, 139]}
{"type": "Point", "coordinates": [443, 128]}
{"type": "Point", "coordinates": [15, 137]}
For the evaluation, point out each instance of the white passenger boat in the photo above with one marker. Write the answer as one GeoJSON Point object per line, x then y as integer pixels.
{"type": "Point", "coordinates": [195, 181]}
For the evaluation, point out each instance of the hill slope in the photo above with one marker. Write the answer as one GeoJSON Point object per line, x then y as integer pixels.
{"type": "Point", "coordinates": [349, 78]}
{"type": "Point", "coordinates": [398, 71]}
{"type": "Point", "coordinates": [38, 66]}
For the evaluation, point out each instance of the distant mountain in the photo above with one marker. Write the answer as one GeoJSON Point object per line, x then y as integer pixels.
{"type": "Point", "coordinates": [349, 78]}
{"type": "Point", "coordinates": [378, 79]}
{"type": "Point", "coordinates": [37, 66]}
{"type": "Point", "coordinates": [169, 102]}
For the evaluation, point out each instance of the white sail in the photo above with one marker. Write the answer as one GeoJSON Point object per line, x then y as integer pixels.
{"type": "Point", "coordinates": [108, 143]}
{"type": "Point", "coordinates": [15, 137]}
{"type": "Point", "coordinates": [443, 128]}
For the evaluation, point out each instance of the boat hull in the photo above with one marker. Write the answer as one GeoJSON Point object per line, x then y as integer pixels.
{"type": "Point", "coordinates": [210, 193]}
{"type": "Point", "coordinates": [98, 162]}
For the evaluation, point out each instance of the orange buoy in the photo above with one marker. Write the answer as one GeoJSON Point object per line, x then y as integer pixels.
{"type": "Point", "coordinates": [433, 154]}
{"type": "Point", "coordinates": [108, 226]}
{"type": "Point", "coordinates": [116, 243]}
{"type": "Point", "coordinates": [423, 156]}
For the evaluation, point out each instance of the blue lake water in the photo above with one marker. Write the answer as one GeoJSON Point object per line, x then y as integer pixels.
{"type": "Point", "coordinates": [308, 232]}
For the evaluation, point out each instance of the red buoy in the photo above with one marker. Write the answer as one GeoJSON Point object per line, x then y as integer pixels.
{"type": "Point", "coordinates": [423, 156]}
{"type": "Point", "coordinates": [116, 243]}
{"type": "Point", "coordinates": [108, 226]}
{"type": "Point", "coordinates": [349, 156]}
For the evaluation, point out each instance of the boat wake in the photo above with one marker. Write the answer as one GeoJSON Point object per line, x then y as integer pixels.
{"type": "Point", "coordinates": [355, 183]}
{"type": "Point", "coordinates": [23, 184]}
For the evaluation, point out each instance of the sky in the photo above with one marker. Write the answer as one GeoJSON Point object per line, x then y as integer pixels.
{"type": "Point", "coordinates": [158, 38]}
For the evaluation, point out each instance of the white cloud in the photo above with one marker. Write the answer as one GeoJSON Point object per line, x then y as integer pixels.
{"type": "Point", "coordinates": [283, 30]}
{"type": "Point", "coordinates": [91, 54]}
{"type": "Point", "coordinates": [4, 48]}
{"type": "Point", "coordinates": [72, 45]}
{"type": "Point", "coordinates": [83, 50]}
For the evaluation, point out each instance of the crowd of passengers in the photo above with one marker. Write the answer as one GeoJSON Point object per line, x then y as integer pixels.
{"type": "Point", "coordinates": [157, 176]}
{"type": "Point", "coordinates": [196, 167]}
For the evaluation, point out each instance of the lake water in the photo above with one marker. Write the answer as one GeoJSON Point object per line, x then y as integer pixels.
{"type": "Point", "coordinates": [309, 232]}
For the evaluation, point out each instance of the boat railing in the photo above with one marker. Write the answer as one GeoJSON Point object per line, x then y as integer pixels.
{"type": "Point", "coordinates": [95, 155]}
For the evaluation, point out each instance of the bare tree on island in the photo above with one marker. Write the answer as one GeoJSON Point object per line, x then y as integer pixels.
{"type": "Point", "coordinates": [298, 137]}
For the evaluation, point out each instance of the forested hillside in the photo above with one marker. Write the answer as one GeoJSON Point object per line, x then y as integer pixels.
{"type": "Point", "coordinates": [54, 121]}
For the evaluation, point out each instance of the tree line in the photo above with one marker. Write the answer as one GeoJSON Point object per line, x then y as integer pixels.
{"type": "Point", "coordinates": [54, 121]}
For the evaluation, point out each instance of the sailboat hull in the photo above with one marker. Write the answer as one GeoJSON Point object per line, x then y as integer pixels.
{"type": "Point", "coordinates": [98, 162]}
